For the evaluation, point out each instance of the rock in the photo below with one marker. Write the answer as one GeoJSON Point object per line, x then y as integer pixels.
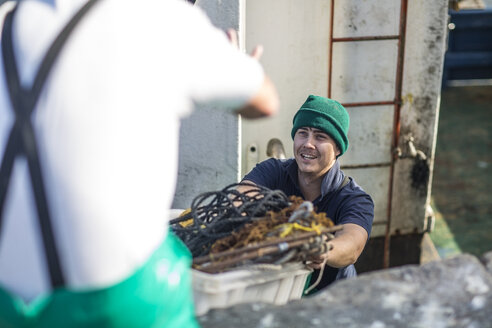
{"type": "Point", "coordinates": [455, 292]}
{"type": "Point", "coordinates": [487, 261]}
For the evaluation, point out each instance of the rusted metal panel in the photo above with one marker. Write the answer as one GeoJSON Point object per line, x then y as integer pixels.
{"type": "Point", "coordinates": [369, 136]}
{"type": "Point", "coordinates": [355, 18]}
{"type": "Point", "coordinates": [424, 54]}
{"type": "Point", "coordinates": [355, 80]}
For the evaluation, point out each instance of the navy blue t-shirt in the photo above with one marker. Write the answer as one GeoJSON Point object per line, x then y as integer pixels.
{"type": "Point", "coordinates": [349, 204]}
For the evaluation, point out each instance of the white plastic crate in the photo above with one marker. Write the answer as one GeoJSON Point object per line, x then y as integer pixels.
{"type": "Point", "coordinates": [248, 284]}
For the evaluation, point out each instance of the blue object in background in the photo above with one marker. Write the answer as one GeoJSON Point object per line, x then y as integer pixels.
{"type": "Point", "coordinates": [469, 53]}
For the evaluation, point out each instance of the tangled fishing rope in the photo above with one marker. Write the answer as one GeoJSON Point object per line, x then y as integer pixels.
{"type": "Point", "coordinates": [291, 221]}
{"type": "Point", "coordinates": [215, 215]}
{"type": "Point", "coordinates": [229, 228]}
{"type": "Point", "coordinates": [294, 234]}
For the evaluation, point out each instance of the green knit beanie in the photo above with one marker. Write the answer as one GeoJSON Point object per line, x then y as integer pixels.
{"type": "Point", "coordinates": [327, 115]}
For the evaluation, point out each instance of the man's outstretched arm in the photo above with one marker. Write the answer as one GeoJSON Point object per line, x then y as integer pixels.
{"type": "Point", "coordinates": [265, 102]}
{"type": "Point", "coordinates": [348, 244]}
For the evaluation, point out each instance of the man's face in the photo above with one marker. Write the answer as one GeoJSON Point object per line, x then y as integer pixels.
{"type": "Point", "coordinates": [314, 150]}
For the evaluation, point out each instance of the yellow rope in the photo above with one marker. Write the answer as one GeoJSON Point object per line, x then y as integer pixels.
{"type": "Point", "coordinates": [287, 228]}
{"type": "Point", "coordinates": [188, 222]}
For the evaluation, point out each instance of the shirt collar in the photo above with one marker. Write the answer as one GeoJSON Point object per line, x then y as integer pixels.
{"type": "Point", "coordinates": [331, 180]}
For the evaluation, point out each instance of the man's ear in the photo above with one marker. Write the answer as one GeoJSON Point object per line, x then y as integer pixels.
{"type": "Point", "coordinates": [337, 151]}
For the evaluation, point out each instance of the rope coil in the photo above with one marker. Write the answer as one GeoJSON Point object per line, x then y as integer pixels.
{"type": "Point", "coordinates": [228, 228]}
{"type": "Point", "coordinates": [217, 214]}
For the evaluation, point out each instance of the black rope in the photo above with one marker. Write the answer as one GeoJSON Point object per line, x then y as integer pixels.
{"type": "Point", "coordinates": [217, 214]}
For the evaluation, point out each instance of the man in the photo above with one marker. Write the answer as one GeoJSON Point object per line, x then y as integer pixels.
{"type": "Point", "coordinates": [320, 136]}
{"type": "Point", "coordinates": [88, 150]}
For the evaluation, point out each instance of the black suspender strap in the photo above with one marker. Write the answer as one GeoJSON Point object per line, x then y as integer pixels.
{"type": "Point", "coordinates": [22, 138]}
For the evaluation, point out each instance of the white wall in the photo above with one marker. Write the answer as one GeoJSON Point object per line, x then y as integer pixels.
{"type": "Point", "coordinates": [296, 38]}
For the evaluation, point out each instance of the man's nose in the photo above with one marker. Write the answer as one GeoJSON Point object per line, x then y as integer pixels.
{"type": "Point", "coordinates": [309, 142]}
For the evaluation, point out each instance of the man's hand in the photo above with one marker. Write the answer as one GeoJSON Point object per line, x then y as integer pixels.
{"type": "Point", "coordinates": [232, 36]}
{"type": "Point", "coordinates": [265, 102]}
{"type": "Point", "coordinates": [319, 260]}
{"type": "Point", "coordinates": [316, 262]}
{"type": "Point", "coordinates": [343, 250]}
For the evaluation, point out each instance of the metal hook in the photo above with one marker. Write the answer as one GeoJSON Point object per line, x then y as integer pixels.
{"type": "Point", "coordinates": [302, 212]}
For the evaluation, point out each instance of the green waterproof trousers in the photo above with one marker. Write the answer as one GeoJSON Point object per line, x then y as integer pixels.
{"type": "Point", "coordinates": [158, 294]}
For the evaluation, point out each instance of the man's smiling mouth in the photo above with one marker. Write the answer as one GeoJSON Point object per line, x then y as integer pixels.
{"type": "Point", "coordinates": [308, 156]}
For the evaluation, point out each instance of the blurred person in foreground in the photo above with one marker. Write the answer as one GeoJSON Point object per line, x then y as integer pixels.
{"type": "Point", "coordinates": [90, 105]}
{"type": "Point", "coordinates": [319, 132]}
